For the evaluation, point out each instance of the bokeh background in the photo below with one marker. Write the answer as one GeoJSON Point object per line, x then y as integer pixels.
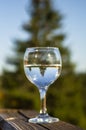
{"type": "Point", "coordinates": [61, 24]}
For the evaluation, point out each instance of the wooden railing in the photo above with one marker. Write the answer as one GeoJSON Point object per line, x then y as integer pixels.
{"type": "Point", "coordinates": [18, 120]}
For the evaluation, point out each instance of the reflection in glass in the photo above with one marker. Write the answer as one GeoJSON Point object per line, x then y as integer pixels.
{"type": "Point", "coordinates": [42, 67]}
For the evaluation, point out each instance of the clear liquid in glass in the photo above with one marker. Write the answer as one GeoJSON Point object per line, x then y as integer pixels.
{"type": "Point", "coordinates": [42, 66]}
{"type": "Point", "coordinates": [42, 75]}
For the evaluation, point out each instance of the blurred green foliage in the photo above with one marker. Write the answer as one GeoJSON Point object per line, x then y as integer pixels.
{"type": "Point", "coordinates": [66, 97]}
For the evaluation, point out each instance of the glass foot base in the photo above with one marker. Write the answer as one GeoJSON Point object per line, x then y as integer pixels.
{"type": "Point", "coordinates": [43, 118]}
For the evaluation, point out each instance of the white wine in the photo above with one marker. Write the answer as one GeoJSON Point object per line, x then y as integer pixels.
{"type": "Point", "coordinates": [42, 75]}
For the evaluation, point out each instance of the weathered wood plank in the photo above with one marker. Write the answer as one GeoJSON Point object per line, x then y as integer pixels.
{"type": "Point", "coordinates": [5, 125]}
{"type": "Point", "coordinates": [18, 120]}
{"type": "Point", "coordinates": [54, 126]}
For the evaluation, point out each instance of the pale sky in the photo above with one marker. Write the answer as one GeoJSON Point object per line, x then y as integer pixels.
{"type": "Point", "coordinates": [13, 14]}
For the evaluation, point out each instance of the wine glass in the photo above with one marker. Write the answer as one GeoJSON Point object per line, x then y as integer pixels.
{"type": "Point", "coordinates": [42, 66]}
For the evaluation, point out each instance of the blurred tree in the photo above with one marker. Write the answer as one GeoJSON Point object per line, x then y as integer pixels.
{"type": "Point", "coordinates": [44, 29]}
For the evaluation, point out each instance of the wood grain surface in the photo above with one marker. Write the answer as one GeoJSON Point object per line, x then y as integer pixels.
{"type": "Point", "coordinates": [18, 120]}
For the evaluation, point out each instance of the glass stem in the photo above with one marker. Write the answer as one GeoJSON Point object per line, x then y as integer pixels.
{"type": "Point", "coordinates": [43, 109]}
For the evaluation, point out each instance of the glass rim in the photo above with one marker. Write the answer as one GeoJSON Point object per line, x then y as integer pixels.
{"type": "Point", "coordinates": [42, 48]}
